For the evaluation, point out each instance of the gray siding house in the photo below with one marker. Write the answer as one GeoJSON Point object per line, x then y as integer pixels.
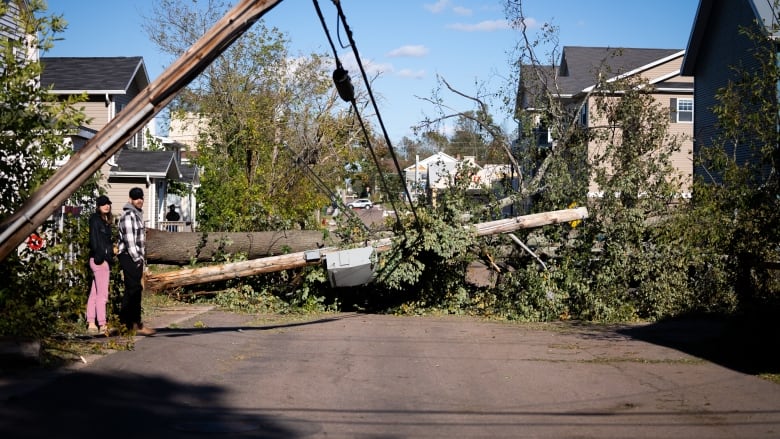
{"type": "Point", "coordinates": [715, 47]}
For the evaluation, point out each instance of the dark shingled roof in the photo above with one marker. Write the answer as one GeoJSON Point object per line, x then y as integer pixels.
{"type": "Point", "coordinates": [579, 65]}
{"type": "Point", "coordinates": [154, 163]}
{"type": "Point", "coordinates": [579, 68]}
{"type": "Point", "coordinates": [189, 173]}
{"type": "Point", "coordinates": [93, 74]}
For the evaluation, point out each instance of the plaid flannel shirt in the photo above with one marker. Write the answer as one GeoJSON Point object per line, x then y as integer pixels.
{"type": "Point", "coordinates": [132, 234]}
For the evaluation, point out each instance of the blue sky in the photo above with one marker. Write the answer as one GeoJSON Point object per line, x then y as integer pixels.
{"type": "Point", "coordinates": [410, 42]}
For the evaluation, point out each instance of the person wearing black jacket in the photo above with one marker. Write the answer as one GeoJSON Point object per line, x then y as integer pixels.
{"type": "Point", "coordinates": [101, 256]}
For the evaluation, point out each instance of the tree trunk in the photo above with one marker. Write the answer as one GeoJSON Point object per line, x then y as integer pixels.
{"type": "Point", "coordinates": [182, 248]}
{"type": "Point", "coordinates": [192, 276]}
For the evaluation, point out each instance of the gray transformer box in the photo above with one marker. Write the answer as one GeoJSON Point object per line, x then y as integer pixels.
{"type": "Point", "coordinates": [349, 268]}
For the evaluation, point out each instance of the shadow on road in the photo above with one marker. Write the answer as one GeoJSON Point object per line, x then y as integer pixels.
{"type": "Point", "coordinates": [88, 404]}
{"type": "Point", "coordinates": [747, 345]}
{"type": "Point", "coordinates": [166, 332]}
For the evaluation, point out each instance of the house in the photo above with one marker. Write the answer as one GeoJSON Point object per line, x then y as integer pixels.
{"type": "Point", "coordinates": [10, 28]}
{"type": "Point", "coordinates": [577, 74]}
{"type": "Point", "coordinates": [436, 173]}
{"type": "Point", "coordinates": [433, 172]}
{"type": "Point", "coordinates": [715, 47]}
{"type": "Point", "coordinates": [110, 83]}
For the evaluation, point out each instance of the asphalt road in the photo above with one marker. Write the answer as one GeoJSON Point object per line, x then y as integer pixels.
{"type": "Point", "coordinates": [223, 375]}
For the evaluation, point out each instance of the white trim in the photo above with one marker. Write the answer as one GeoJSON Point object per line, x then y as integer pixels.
{"type": "Point", "coordinates": [674, 90]}
{"type": "Point", "coordinates": [665, 77]}
{"type": "Point", "coordinates": [138, 174]}
{"type": "Point", "coordinates": [91, 92]}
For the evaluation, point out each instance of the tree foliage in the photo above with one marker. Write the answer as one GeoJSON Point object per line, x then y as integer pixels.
{"type": "Point", "coordinates": [273, 121]}
{"type": "Point", "coordinates": [629, 259]}
{"type": "Point", "coordinates": [44, 287]}
{"type": "Point", "coordinates": [736, 198]}
{"type": "Point", "coordinates": [33, 120]}
{"type": "Point", "coordinates": [630, 266]}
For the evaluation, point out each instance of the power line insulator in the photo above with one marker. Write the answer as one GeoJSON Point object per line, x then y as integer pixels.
{"type": "Point", "coordinates": [344, 84]}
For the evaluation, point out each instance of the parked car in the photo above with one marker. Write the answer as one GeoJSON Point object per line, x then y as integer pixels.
{"type": "Point", "coordinates": [361, 203]}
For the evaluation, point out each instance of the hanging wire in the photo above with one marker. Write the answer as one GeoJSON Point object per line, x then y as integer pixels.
{"type": "Point", "coordinates": [343, 20]}
{"type": "Point", "coordinates": [346, 92]}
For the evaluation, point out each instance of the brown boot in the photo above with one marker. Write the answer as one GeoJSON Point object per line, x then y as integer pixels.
{"type": "Point", "coordinates": [92, 328]}
{"type": "Point", "coordinates": [141, 330]}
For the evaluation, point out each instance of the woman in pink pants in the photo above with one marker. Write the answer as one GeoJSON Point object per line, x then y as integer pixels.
{"type": "Point", "coordinates": [101, 256]}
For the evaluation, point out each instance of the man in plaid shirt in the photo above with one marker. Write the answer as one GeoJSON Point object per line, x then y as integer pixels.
{"type": "Point", "coordinates": [132, 248]}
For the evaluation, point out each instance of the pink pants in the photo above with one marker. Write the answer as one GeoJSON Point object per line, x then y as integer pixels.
{"type": "Point", "coordinates": [98, 294]}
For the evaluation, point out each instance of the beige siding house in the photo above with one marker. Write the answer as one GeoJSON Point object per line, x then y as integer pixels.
{"type": "Point", "coordinates": [110, 83]}
{"type": "Point", "coordinates": [576, 76]}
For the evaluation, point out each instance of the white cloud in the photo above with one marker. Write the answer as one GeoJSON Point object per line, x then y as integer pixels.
{"type": "Point", "coordinates": [372, 68]}
{"type": "Point", "coordinates": [438, 6]}
{"type": "Point", "coordinates": [482, 26]}
{"type": "Point", "coordinates": [412, 51]}
{"type": "Point", "coordinates": [409, 73]}
{"type": "Point", "coordinates": [460, 10]}
{"type": "Point", "coordinates": [531, 23]}
{"type": "Point", "coordinates": [442, 5]}
{"type": "Point", "coordinates": [446, 130]}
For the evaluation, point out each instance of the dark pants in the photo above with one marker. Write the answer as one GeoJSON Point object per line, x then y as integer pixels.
{"type": "Point", "coordinates": [130, 314]}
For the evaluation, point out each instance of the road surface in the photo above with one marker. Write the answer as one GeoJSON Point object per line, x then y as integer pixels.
{"type": "Point", "coordinates": [219, 374]}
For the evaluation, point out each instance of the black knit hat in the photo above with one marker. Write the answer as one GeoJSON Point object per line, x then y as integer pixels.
{"type": "Point", "coordinates": [102, 201]}
{"type": "Point", "coordinates": [136, 193]}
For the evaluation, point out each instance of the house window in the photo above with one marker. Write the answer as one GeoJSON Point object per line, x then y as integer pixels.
{"type": "Point", "coordinates": [685, 110]}
{"type": "Point", "coordinates": [681, 110]}
{"type": "Point", "coordinates": [584, 116]}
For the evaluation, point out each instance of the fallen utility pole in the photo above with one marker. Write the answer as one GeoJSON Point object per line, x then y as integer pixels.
{"type": "Point", "coordinates": [234, 270]}
{"type": "Point", "coordinates": [182, 248]}
{"type": "Point", "coordinates": [138, 112]}
{"type": "Point", "coordinates": [530, 221]}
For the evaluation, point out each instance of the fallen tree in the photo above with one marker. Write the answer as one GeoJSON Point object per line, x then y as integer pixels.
{"type": "Point", "coordinates": [182, 248]}
{"type": "Point", "coordinates": [234, 270]}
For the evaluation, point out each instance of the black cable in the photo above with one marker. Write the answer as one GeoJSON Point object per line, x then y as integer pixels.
{"type": "Point", "coordinates": [346, 92]}
{"type": "Point", "coordinates": [343, 19]}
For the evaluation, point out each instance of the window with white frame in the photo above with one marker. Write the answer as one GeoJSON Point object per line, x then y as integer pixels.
{"type": "Point", "coordinates": [684, 111]}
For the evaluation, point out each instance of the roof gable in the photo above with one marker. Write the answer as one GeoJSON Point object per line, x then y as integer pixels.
{"type": "Point", "coordinates": [585, 64]}
{"type": "Point", "coordinates": [761, 11]}
{"type": "Point", "coordinates": [423, 164]}
{"type": "Point", "coordinates": [95, 75]}
{"type": "Point", "coordinates": [156, 164]}
{"type": "Point", "coordinates": [438, 157]}
{"type": "Point", "coordinates": [579, 69]}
